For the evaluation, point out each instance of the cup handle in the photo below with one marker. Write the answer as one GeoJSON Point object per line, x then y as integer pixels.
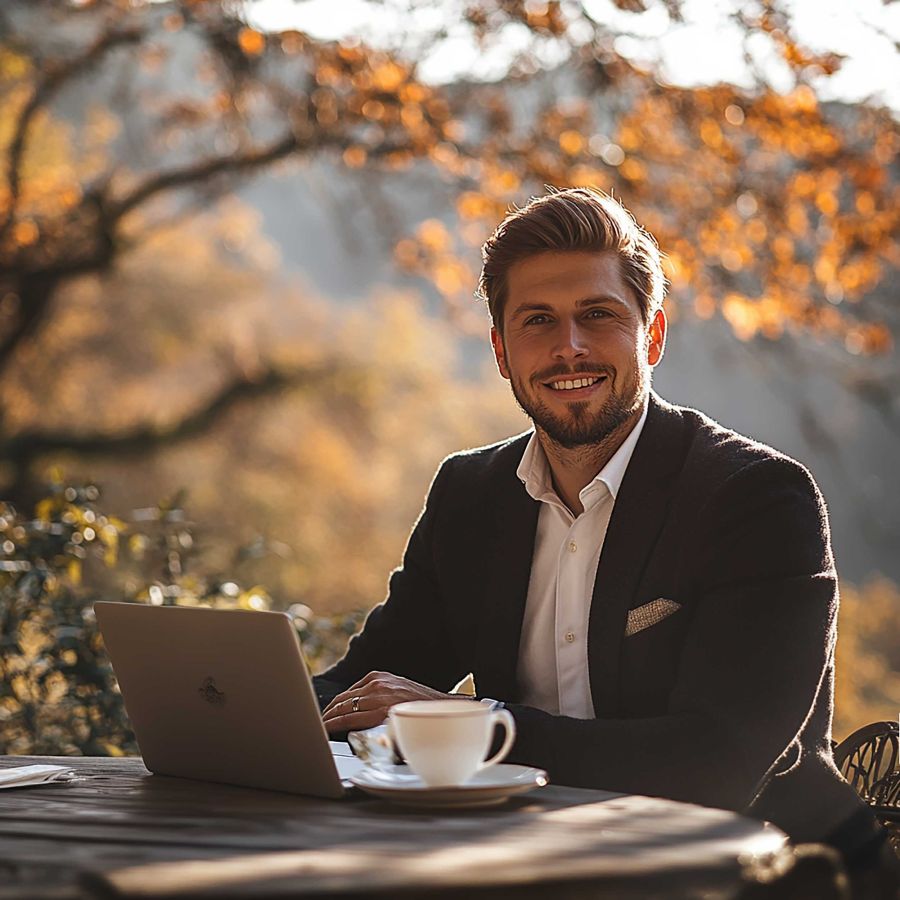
{"type": "Point", "coordinates": [504, 718]}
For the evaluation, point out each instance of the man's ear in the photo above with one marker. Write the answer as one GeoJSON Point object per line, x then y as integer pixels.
{"type": "Point", "coordinates": [499, 352]}
{"type": "Point", "coordinates": [656, 338]}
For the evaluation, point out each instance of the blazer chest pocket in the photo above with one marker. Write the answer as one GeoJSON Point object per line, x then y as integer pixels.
{"type": "Point", "coordinates": [649, 614]}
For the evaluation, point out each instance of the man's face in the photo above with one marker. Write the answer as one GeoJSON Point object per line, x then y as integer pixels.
{"type": "Point", "coordinates": [574, 348]}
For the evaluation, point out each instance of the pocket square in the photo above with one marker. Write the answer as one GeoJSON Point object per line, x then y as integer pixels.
{"type": "Point", "coordinates": [648, 614]}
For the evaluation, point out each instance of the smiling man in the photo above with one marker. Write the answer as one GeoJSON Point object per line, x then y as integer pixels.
{"type": "Point", "coordinates": [651, 595]}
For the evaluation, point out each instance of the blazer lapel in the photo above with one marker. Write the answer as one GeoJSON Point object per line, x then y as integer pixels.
{"type": "Point", "coordinates": [509, 568]}
{"type": "Point", "coordinates": [637, 518]}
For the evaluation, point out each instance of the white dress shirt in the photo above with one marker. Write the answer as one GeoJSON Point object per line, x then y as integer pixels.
{"type": "Point", "coordinates": [553, 653]}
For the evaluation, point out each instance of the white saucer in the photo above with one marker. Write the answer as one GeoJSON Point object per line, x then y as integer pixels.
{"type": "Point", "coordinates": [488, 788]}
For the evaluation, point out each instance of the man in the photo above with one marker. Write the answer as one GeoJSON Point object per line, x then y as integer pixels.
{"type": "Point", "coordinates": [652, 596]}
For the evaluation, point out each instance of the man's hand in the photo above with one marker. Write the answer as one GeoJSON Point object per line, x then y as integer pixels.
{"type": "Point", "coordinates": [366, 703]}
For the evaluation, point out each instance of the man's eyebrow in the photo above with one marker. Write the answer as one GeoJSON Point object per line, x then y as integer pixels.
{"type": "Point", "coordinates": [530, 306]}
{"type": "Point", "coordinates": [603, 298]}
{"type": "Point", "coordinates": [537, 306]}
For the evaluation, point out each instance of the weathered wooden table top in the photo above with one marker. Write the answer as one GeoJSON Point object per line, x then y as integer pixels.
{"type": "Point", "coordinates": [118, 831]}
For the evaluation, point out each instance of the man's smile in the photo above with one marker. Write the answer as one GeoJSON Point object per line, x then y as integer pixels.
{"type": "Point", "coordinates": [576, 383]}
{"type": "Point", "coordinates": [574, 386]}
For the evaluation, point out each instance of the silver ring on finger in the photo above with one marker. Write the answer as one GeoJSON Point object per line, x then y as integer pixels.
{"type": "Point", "coordinates": [354, 704]}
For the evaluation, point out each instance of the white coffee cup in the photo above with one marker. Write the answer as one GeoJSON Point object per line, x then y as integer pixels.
{"type": "Point", "coordinates": [445, 742]}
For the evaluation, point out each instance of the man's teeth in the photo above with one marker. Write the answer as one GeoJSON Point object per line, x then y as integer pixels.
{"type": "Point", "coordinates": [572, 385]}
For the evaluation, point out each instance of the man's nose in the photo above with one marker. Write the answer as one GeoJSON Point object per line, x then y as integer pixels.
{"type": "Point", "coordinates": [571, 342]}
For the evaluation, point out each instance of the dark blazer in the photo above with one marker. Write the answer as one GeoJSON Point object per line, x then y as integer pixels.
{"type": "Point", "coordinates": [722, 696]}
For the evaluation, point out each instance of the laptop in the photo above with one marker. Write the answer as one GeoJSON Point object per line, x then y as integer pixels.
{"type": "Point", "coordinates": [223, 695]}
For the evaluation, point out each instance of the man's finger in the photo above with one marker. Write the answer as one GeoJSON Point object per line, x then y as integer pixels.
{"type": "Point", "coordinates": [346, 697]}
{"type": "Point", "coordinates": [360, 688]}
{"type": "Point", "coordinates": [358, 721]}
{"type": "Point", "coordinates": [336, 706]}
{"type": "Point", "coordinates": [362, 703]}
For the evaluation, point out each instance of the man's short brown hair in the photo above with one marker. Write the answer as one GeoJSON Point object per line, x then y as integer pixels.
{"type": "Point", "coordinates": [577, 219]}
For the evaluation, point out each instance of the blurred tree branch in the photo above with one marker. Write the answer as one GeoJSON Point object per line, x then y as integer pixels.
{"type": "Point", "coordinates": [145, 438]}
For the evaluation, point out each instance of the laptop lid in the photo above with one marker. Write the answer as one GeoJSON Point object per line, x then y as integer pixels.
{"type": "Point", "coordinates": [221, 695]}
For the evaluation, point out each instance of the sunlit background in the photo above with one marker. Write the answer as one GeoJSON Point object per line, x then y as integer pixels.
{"type": "Point", "coordinates": [238, 246]}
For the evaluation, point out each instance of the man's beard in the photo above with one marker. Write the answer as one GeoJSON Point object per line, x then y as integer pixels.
{"type": "Point", "coordinates": [581, 427]}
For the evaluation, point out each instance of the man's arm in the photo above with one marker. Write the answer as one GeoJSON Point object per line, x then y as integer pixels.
{"type": "Point", "coordinates": [760, 641]}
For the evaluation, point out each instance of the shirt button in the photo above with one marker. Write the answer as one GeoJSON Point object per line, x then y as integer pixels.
{"type": "Point", "coordinates": [572, 546]}
{"type": "Point", "coordinates": [570, 636]}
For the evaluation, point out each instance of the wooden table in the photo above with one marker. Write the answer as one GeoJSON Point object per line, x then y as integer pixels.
{"type": "Point", "coordinates": [118, 831]}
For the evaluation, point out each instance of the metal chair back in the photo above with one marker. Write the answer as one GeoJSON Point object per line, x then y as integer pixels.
{"type": "Point", "coordinates": [868, 756]}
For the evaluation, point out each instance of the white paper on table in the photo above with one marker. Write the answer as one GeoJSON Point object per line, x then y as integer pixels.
{"type": "Point", "coordinates": [25, 776]}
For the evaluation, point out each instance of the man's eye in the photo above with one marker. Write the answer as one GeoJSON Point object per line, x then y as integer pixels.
{"type": "Point", "coordinates": [598, 314]}
{"type": "Point", "coordinates": [539, 319]}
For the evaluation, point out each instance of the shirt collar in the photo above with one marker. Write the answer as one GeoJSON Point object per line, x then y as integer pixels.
{"type": "Point", "coordinates": [534, 470]}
